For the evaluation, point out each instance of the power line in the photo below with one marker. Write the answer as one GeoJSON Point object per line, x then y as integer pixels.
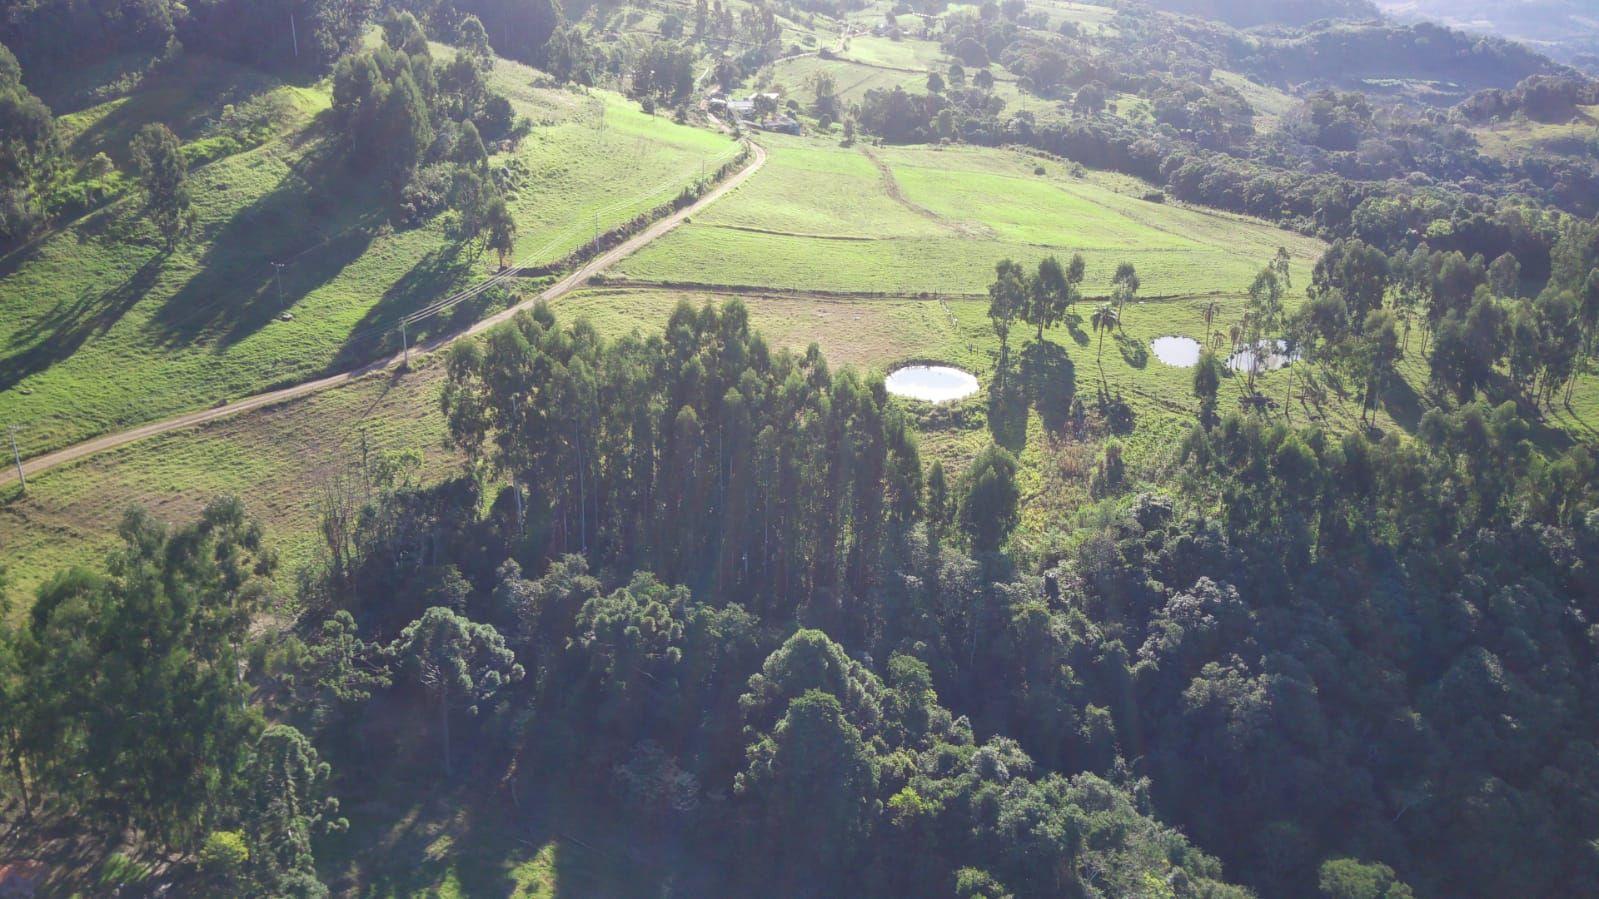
{"type": "Point", "coordinates": [16, 456]}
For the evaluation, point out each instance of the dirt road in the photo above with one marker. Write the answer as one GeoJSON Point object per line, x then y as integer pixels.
{"type": "Point", "coordinates": [564, 286]}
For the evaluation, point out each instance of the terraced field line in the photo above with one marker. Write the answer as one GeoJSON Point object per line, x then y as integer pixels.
{"type": "Point", "coordinates": [271, 398]}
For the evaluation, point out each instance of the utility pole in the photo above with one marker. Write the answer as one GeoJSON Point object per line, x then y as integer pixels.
{"type": "Point", "coordinates": [405, 346]}
{"type": "Point", "coordinates": [22, 477]}
{"type": "Point", "coordinates": [277, 267]}
{"type": "Point", "coordinates": [293, 35]}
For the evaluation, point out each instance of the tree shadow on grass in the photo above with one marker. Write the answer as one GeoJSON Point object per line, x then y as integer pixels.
{"type": "Point", "coordinates": [64, 329]}
{"type": "Point", "coordinates": [1402, 404]}
{"type": "Point", "coordinates": [235, 292]}
{"type": "Point", "coordinates": [1050, 381]}
{"type": "Point", "coordinates": [1007, 405]}
{"type": "Point", "coordinates": [17, 257]}
{"type": "Point", "coordinates": [1042, 377]}
{"type": "Point", "coordinates": [1134, 352]}
{"type": "Point", "coordinates": [432, 278]}
{"type": "Point", "coordinates": [1074, 327]}
{"type": "Point", "coordinates": [557, 830]}
{"type": "Point", "coordinates": [185, 95]}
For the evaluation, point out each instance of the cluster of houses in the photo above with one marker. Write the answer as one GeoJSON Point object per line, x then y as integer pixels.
{"type": "Point", "coordinates": [747, 112]}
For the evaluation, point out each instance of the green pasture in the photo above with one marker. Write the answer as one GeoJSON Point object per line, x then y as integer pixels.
{"type": "Point", "coordinates": [1510, 139]}
{"type": "Point", "coordinates": [948, 216]}
{"type": "Point", "coordinates": [102, 329]}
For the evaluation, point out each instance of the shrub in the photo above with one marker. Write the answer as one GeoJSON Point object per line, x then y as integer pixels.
{"type": "Point", "coordinates": [224, 856]}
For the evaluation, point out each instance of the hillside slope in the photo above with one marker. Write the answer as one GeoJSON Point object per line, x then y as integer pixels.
{"type": "Point", "coordinates": [206, 322]}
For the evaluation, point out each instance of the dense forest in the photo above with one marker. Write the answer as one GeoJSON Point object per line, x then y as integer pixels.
{"type": "Point", "coordinates": [737, 595]}
{"type": "Point", "coordinates": [716, 585]}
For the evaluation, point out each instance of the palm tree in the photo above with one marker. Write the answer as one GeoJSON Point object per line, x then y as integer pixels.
{"type": "Point", "coordinates": [1104, 319]}
{"type": "Point", "coordinates": [1211, 309]}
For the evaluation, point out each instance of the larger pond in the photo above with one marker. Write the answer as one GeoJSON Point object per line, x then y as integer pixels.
{"type": "Point", "coordinates": [1178, 352]}
{"type": "Point", "coordinates": [1274, 355]}
{"type": "Point", "coordinates": [931, 383]}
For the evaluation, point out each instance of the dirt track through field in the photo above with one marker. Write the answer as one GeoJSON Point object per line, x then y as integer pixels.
{"type": "Point", "coordinates": [892, 188]}
{"type": "Point", "coordinates": [576, 279]}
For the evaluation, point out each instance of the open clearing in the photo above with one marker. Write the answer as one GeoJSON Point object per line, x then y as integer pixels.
{"type": "Point", "coordinates": [823, 217]}
{"type": "Point", "coordinates": [100, 329]}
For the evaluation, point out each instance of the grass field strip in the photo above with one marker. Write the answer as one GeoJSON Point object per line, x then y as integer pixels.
{"type": "Point", "coordinates": [510, 272]}
{"type": "Point", "coordinates": [566, 234]}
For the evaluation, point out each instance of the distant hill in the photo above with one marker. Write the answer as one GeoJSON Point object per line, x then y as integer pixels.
{"type": "Point", "coordinates": [1567, 30]}
{"type": "Point", "coordinates": [1250, 13]}
{"type": "Point", "coordinates": [1371, 55]}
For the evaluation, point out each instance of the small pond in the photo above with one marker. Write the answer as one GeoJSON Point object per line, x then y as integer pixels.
{"type": "Point", "coordinates": [1276, 356]}
{"type": "Point", "coordinates": [1178, 352]}
{"type": "Point", "coordinates": [931, 383]}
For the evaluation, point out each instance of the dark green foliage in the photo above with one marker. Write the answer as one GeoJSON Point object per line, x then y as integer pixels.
{"type": "Point", "coordinates": [1247, 13]}
{"type": "Point", "coordinates": [459, 662]}
{"type": "Point", "coordinates": [1007, 298]}
{"type": "Point", "coordinates": [164, 177]}
{"type": "Point", "coordinates": [1423, 537]}
{"type": "Point", "coordinates": [1467, 347]}
{"type": "Point", "coordinates": [663, 74]}
{"type": "Point", "coordinates": [1207, 381]}
{"type": "Point", "coordinates": [1051, 292]}
{"type": "Point", "coordinates": [766, 475]}
{"type": "Point", "coordinates": [1346, 878]}
{"type": "Point", "coordinates": [386, 104]}
{"type": "Point", "coordinates": [132, 708]}
{"type": "Point", "coordinates": [51, 34]}
{"type": "Point", "coordinates": [988, 506]}
{"type": "Point", "coordinates": [29, 149]}
{"type": "Point", "coordinates": [816, 784]}
{"type": "Point", "coordinates": [1338, 664]}
{"type": "Point", "coordinates": [517, 29]}
{"type": "Point", "coordinates": [259, 32]}
{"type": "Point", "coordinates": [500, 229]}
{"type": "Point", "coordinates": [284, 808]}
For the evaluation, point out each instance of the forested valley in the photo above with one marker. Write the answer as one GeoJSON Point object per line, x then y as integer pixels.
{"type": "Point", "coordinates": [738, 601]}
{"type": "Point", "coordinates": [458, 451]}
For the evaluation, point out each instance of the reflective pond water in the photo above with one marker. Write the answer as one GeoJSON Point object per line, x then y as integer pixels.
{"type": "Point", "coordinates": [1278, 357]}
{"type": "Point", "coordinates": [931, 383]}
{"type": "Point", "coordinates": [1178, 352]}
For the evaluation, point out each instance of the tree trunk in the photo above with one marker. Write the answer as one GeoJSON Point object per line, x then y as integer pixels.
{"type": "Point", "coordinates": [582, 502]}
{"type": "Point", "coordinates": [444, 721]}
{"type": "Point", "coordinates": [1288, 401]}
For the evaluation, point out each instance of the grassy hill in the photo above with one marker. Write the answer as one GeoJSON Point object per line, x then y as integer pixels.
{"type": "Point", "coordinates": [911, 220]}
{"type": "Point", "coordinates": [205, 323]}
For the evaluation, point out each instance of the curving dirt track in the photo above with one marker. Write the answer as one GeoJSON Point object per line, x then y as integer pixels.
{"type": "Point", "coordinates": [572, 281]}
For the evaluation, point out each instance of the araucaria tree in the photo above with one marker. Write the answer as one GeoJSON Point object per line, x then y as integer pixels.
{"type": "Point", "coordinates": [285, 807]}
{"type": "Point", "coordinates": [458, 661]}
